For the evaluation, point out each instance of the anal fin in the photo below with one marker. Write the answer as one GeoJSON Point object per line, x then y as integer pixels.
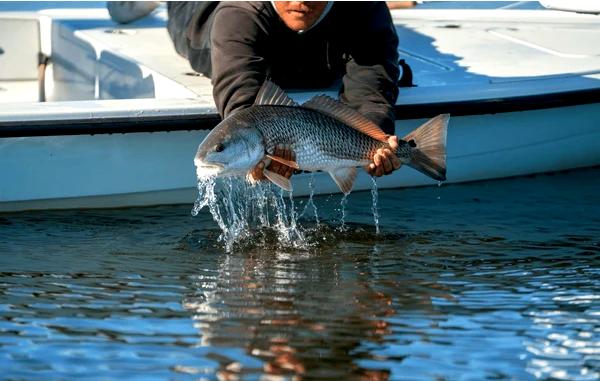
{"type": "Point", "coordinates": [277, 179]}
{"type": "Point", "coordinates": [344, 178]}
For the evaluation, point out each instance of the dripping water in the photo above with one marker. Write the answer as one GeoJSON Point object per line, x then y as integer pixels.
{"type": "Point", "coordinates": [251, 214]}
{"type": "Point", "coordinates": [343, 203]}
{"type": "Point", "coordinates": [310, 202]}
{"type": "Point", "coordinates": [374, 208]}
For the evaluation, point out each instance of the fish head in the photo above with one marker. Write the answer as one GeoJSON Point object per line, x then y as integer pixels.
{"type": "Point", "coordinates": [232, 148]}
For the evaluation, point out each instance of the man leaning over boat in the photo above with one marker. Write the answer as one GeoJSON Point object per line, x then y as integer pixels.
{"type": "Point", "coordinates": [297, 44]}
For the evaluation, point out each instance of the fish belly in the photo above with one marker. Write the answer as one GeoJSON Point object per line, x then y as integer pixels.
{"type": "Point", "coordinates": [311, 158]}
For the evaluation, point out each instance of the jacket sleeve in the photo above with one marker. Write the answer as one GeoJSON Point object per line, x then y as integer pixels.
{"type": "Point", "coordinates": [238, 66]}
{"type": "Point", "coordinates": [370, 82]}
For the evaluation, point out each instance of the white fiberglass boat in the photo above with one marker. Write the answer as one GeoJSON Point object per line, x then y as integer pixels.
{"type": "Point", "coordinates": [96, 114]}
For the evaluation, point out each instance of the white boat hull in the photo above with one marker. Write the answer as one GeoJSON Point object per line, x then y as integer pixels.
{"type": "Point", "coordinates": [524, 88]}
{"type": "Point", "coordinates": [138, 169]}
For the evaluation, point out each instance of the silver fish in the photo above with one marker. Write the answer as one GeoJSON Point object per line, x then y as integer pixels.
{"type": "Point", "coordinates": [324, 134]}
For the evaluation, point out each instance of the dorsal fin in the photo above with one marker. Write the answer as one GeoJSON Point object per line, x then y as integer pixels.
{"type": "Point", "coordinates": [273, 95]}
{"type": "Point", "coordinates": [346, 115]}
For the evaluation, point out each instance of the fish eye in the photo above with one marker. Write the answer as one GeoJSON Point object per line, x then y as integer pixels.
{"type": "Point", "coordinates": [219, 148]}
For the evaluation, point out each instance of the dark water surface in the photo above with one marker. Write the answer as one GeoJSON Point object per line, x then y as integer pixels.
{"type": "Point", "coordinates": [495, 280]}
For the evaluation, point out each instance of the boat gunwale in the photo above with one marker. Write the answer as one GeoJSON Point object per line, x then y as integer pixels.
{"type": "Point", "coordinates": [207, 120]}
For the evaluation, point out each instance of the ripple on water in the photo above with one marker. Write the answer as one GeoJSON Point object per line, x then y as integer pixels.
{"type": "Point", "coordinates": [501, 288]}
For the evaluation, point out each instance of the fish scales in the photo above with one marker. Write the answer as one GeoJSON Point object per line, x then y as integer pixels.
{"type": "Point", "coordinates": [323, 133]}
{"type": "Point", "coordinates": [318, 141]}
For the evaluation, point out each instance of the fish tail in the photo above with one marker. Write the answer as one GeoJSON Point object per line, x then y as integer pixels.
{"type": "Point", "coordinates": [428, 154]}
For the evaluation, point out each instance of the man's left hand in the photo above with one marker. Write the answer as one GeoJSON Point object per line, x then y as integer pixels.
{"type": "Point", "coordinates": [385, 160]}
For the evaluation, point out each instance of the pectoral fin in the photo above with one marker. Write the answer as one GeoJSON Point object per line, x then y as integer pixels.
{"type": "Point", "coordinates": [278, 180]}
{"type": "Point", "coordinates": [283, 161]}
{"type": "Point", "coordinates": [344, 178]}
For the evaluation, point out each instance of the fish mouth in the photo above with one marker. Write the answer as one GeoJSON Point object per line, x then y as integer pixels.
{"type": "Point", "coordinates": [201, 162]}
{"type": "Point", "coordinates": [210, 167]}
{"type": "Point", "coordinates": [207, 169]}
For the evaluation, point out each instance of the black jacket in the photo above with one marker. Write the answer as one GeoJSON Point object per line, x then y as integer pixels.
{"type": "Point", "coordinates": [239, 44]}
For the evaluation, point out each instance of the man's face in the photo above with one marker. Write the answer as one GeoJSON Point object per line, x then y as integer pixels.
{"type": "Point", "coordinates": [300, 15]}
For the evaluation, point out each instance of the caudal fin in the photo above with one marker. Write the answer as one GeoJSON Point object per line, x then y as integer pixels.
{"type": "Point", "coordinates": [429, 152]}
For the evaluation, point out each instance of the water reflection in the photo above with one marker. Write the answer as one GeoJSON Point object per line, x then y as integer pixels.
{"type": "Point", "coordinates": [390, 306]}
{"type": "Point", "coordinates": [307, 314]}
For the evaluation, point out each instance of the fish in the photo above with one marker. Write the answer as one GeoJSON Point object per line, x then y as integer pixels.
{"type": "Point", "coordinates": [325, 135]}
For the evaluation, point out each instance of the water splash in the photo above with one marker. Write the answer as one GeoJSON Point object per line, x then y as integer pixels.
{"type": "Point", "coordinates": [255, 214]}
{"type": "Point", "coordinates": [374, 208]}
{"type": "Point", "coordinates": [243, 212]}
{"type": "Point", "coordinates": [228, 215]}
{"type": "Point", "coordinates": [204, 187]}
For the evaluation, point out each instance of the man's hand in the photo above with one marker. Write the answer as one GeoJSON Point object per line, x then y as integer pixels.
{"type": "Point", "coordinates": [283, 151]}
{"type": "Point", "coordinates": [385, 161]}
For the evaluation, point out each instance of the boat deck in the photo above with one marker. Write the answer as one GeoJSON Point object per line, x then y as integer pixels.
{"type": "Point", "coordinates": [456, 55]}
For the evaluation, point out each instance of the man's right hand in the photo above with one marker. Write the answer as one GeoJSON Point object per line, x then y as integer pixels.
{"type": "Point", "coordinates": [385, 161]}
{"type": "Point", "coordinates": [283, 151]}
